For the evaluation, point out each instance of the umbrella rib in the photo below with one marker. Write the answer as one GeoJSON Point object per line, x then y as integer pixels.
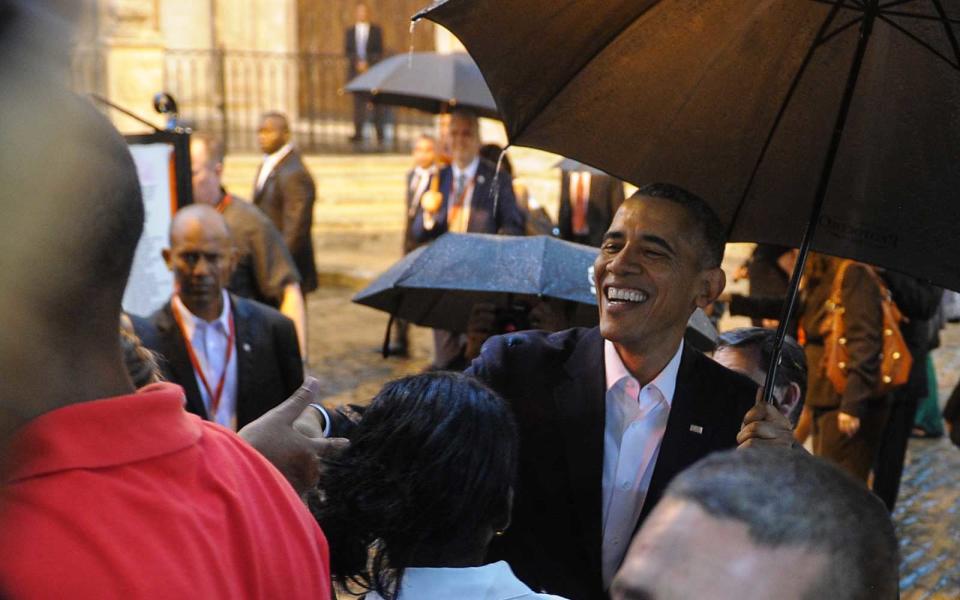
{"type": "Point", "coordinates": [913, 37]}
{"type": "Point", "coordinates": [783, 109]}
{"type": "Point", "coordinates": [839, 30]}
{"type": "Point", "coordinates": [948, 29]}
{"type": "Point", "coordinates": [910, 15]}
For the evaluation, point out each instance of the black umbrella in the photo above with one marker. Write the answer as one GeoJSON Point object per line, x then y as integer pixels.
{"type": "Point", "coordinates": [427, 81]}
{"type": "Point", "coordinates": [830, 124]}
{"type": "Point", "coordinates": [437, 285]}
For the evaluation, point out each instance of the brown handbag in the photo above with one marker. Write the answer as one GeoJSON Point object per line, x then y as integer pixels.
{"type": "Point", "coordinates": [895, 358]}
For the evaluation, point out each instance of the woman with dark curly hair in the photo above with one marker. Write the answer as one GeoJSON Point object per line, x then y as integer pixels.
{"type": "Point", "coordinates": [411, 505]}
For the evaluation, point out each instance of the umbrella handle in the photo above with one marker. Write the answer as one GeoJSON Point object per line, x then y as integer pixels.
{"type": "Point", "coordinates": [385, 350]}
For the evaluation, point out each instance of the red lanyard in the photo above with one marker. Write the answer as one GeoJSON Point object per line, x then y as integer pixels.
{"type": "Point", "coordinates": [224, 203]}
{"type": "Point", "coordinates": [214, 397]}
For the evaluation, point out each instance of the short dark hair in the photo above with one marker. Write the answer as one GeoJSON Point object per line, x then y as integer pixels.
{"type": "Point", "coordinates": [793, 362]}
{"type": "Point", "coordinates": [714, 237]}
{"type": "Point", "coordinates": [429, 468]}
{"type": "Point", "coordinates": [787, 497]}
{"type": "Point", "coordinates": [275, 114]}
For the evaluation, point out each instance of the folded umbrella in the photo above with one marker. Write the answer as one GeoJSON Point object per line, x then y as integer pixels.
{"type": "Point", "coordinates": [437, 285]}
{"type": "Point", "coordinates": [427, 81]}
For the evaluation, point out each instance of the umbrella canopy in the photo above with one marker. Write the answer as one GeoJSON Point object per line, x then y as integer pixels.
{"type": "Point", "coordinates": [437, 285]}
{"type": "Point", "coordinates": [764, 108]}
{"type": "Point", "coordinates": [427, 81]}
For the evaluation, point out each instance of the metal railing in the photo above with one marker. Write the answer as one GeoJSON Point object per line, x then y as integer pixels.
{"type": "Point", "coordinates": [227, 91]}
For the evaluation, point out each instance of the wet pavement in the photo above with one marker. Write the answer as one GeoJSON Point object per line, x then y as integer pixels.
{"type": "Point", "coordinates": [345, 341]}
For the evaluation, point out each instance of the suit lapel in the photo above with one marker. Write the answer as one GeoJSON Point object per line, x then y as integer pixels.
{"type": "Point", "coordinates": [174, 350]}
{"type": "Point", "coordinates": [580, 401]}
{"type": "Point", "coordinates": [244, 350]}
{"type": "Point", "coordinates": [688, 428]}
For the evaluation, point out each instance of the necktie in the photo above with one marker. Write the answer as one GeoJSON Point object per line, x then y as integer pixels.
{"type": "Point", "coordinates": [579, 221]}
{"type": "Point", "coordinates": [456, 205]}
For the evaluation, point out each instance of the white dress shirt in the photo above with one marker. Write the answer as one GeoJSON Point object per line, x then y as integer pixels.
{"type": "Point", "coordinates": [495, 581]}
{"type": "Point", "coordinates": [636, 419]}
{"type": "Point", "coordinates": [209, 342]}
{"type": "Point", "coordinates": [361, 32]}
{"type": "Point", "coordinates": [270, 162]}
{"type": "Point", "coordinates": [418, 185]}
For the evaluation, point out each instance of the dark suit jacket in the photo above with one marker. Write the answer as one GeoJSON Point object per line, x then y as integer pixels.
{"type": "Point", "coordinates": [605, 197]}
{"type": "Point", "coordinates": [287, 198]}
{"type": "Point", "coordinates": [555, 384]}
{"type": "Point", "coordinates": [269, 367]}
{"type": "Point", "coordinates": [507, 220]}
{"type": "Point", "coordinates": [374, 48]}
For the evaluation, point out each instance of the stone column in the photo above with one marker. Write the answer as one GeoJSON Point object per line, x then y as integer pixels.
{"type": "Point", "coordinates": [133, 59]}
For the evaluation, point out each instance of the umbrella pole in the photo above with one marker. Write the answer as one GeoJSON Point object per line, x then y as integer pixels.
{"type": "Point", "coordinates": [871, 9]}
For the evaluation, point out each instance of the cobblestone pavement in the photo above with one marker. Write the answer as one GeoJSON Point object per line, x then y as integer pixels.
{"type": "Point", "coordinates": [345, 341]}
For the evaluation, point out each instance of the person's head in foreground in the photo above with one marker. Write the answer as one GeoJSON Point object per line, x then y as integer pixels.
{"type": "Point", "coordinates": [72, 216]}
{"type": "Point", "coordinates": [426, 481]}
{"type": "Point", "coordinates": [748, 350]}
{"type": "Point", "coordinates": [763, 523]}
{"type": "Point", "coordinates": [659, 261]}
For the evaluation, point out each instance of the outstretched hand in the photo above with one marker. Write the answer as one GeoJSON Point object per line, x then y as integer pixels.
{"type": "Point", "coordinates": [764, 425]}
{"type": "Point", "coordinates": [294, 454]}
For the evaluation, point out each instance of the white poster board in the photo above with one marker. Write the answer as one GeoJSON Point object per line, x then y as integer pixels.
{"type": "Point", "coordinates": [151, 284]}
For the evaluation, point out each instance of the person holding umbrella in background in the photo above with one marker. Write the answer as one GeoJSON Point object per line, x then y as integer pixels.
{"type": "Point", "coordinates": [467, 202]}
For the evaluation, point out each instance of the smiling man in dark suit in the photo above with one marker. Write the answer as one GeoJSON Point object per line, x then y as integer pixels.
{"type": "Point", "coordinates": [235, 358]}
{"type": "Point", "coordinates": [608, 415]}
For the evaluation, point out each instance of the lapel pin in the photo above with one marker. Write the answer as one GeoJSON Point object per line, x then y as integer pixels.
{"type": "Point", "coordinates": [246, 347]}
{"type": "Point", "coordinates": [480, 179]}
{"type": "Point", "coordinates": [696, 429]}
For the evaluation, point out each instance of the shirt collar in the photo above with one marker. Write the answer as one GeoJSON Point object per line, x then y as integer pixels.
{"type": "Point", "coordinates": [192, 322]}
{"type": "Point", "coordinates": [665, 381]}
{"type": "Point", "coordinates": [494, 581]}
{"type": "Point", "coordinates": [103, 433]}
{"type": "Point", "coordinates": [280, 153]}
{"type": "Point", "coordinates": [470, 171]}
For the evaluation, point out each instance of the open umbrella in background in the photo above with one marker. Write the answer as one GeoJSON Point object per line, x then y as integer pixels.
{"type": "Point", "coordinates": [428, 81]}
{"type": "Point", "coordinates": [824, 124]}
{"type": "Point", "coordinates": [437, 285]}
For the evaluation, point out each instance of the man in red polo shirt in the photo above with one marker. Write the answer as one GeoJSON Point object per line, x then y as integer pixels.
{"type": "Point", "coordinates": [107, 492]}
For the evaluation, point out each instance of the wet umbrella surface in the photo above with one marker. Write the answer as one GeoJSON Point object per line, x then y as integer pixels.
{"type": "Point", "coordinates": [437, 285]}
{"type": "Point", "coordinates": [427, 81]}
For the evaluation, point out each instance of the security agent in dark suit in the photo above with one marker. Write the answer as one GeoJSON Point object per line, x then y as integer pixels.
{"type": "Point", "coordinates": [591, 468]}
{"type": "Point", "coordinates": [597, 451]}
{"type": "Point", "coordinates": [285, 192]}
{"type": "Point", "coordinates": [235, 358]}
{"type": "Point", "coordinates": [603, 195]}
{"type": "Point", "coordinates": [468, 205]}
{"type": "Point", "coordinates": [363, 45]}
